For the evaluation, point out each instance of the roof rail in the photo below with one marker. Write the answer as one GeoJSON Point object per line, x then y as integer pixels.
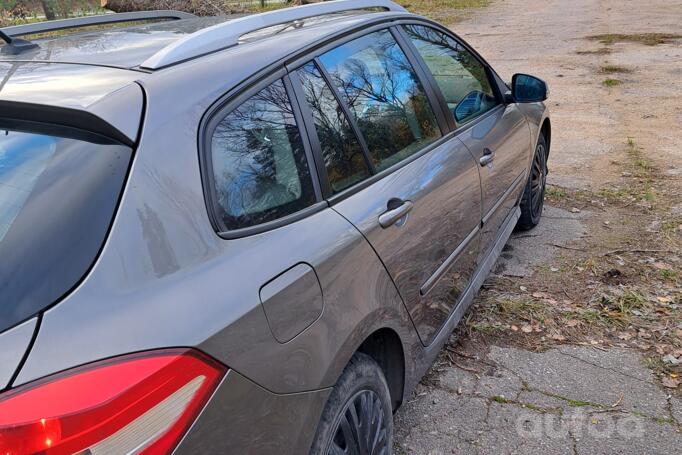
{"type": "Point", "coordinates": [63, 24]}
{"type": "Point", "coordinates": [227, 34]}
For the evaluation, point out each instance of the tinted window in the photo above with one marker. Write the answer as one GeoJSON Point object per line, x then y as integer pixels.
{"type": "Point", "coordinates": [259, 165]}
{"type": "Point", "coordinates": [461, 76]}
{"type": "Point", "coordinates": [341, 150]}
{"type": "Point", "coordinates": [57, 199]}
{"type": "Point", "coordinates": [381, 89]}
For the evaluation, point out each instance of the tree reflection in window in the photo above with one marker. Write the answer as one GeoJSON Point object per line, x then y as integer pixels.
{"type": "Point", "coordinates": [341, 150]}
{"type": "Point", "coordinates": [259, 166]}
{"type": "Point", "coordinates": [461, 76]}
{"type": "Point", "coordinates": [384, 95]}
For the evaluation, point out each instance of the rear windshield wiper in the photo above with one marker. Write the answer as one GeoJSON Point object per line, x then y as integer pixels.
{"type": "Point", "coordinates": [15, 46]}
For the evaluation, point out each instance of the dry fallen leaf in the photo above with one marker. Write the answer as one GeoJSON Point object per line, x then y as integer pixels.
{"type": "Point", "coordinates": [515, 328]}
{"type": "Point", "coordinates": [572, 323]}
{"type": "Point", "coordinates": [670, 383]}
{"type": "Point", "coordinates": [526, 329]}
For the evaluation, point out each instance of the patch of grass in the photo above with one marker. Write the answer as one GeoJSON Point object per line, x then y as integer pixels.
{"type": "Point", "coordinates": [670, 226]}
{"type": "Point", "coordinates": [592, 316]}
{"type": "Point", "coordinates": [600, 51]}
{"type": "Point", "coordinates": [641, 164]}
{"type": "Point", "coordinates": [649, 39]}
{"type": "Point", "coordinates": [532, 407]}
{"type": "Point", "coordinates": [500, 399]}
{"type": "Point", "coordinates": [619, 308]}
{"type": "Point", "coordinates": [554, 192]}
{"type": "Point", "coordinates": [524, 309]}
{"type": "Point", "coordinates": [616, 194]}
{"type": "Point", "coordinates": [574, 403]}
{"type": "Point", "coordinates": [484, 328]}
{"type": "Point", "coordinates": [611, 82]}
{"type": "Point", "coordinates": [613, 69]}
{"type": "Point", "coordinates": [669, 275]}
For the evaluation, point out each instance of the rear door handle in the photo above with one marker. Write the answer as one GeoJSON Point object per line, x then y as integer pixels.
{"type": "Point", "coordinates": [398, 209]}
{"type": "Point", "coordinates": [487, 158]}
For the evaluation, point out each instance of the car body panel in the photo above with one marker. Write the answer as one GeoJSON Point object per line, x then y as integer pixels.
{"type": "Point", "coordinates": [503, 131]}
{"type": "Point", "coordinates": [13, 345]}
{"type": "Point", "coordinates": [284, 424]}
{"type": "Point", "coordinates": [56, 84]}
{"type": "Point", "coordinates": [443, 186]}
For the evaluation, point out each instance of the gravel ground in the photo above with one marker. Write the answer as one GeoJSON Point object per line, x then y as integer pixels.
{"type": "Point", "coordinates": [594, 397]}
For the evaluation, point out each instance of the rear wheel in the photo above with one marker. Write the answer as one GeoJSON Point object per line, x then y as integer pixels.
{"type": "Point", "coordinates": [533, 198]}
{"type": "Point", "coordinates": [357, 418]}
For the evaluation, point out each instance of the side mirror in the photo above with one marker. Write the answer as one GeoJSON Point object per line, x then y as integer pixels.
{"type": "Point", "coordinates": [528, 89]}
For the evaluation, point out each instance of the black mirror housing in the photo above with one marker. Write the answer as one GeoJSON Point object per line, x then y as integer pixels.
{"type": "Point", "coordinates": [528, 89]}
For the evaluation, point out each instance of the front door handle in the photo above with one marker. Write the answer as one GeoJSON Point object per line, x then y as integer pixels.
{"type": "Point", "coordinates": [397, 210]}
{"type": "Point", "coordinates": [487, 158]}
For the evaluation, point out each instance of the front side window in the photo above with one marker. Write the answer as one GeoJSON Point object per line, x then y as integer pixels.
{"type": "Point", "coordinates": [382, 91]}
{"type": "Point", "coordinates": [342, 153]}
{"type": "Point", "coordinates": [461, 77]}
{"type": "Point", "coordinates": [260, 171]}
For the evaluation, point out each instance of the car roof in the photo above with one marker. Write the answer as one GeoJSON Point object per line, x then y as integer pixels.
{"type": "Point", "coordinates": [128, 47]}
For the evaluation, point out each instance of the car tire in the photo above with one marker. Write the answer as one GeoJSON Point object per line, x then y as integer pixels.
{"type": "Point", "coordinates": [358, 415]}
{"type": "Point", "coordinates": [533, 198]}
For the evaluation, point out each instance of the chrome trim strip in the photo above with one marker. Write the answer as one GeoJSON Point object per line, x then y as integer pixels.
{"type": "Point", "coordinates": [520, 178]}
{"type": "Point", "coordinates": [449, 261]}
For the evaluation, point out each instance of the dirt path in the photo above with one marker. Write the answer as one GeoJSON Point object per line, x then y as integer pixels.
{"type": "Point", "coordinates": [575, 343]}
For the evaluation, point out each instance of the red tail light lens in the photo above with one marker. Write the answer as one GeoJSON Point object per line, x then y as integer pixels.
{"type": "Point", "coordinates": [141, 403]}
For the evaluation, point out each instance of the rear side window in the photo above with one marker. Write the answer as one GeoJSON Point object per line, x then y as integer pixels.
{"type": "Point", "coordinates": [382, 91]}
{"type": "Point", "coordinates": [260, 171]}
{"type": "Point", "coordinates": [460, 76]}
{"type": "Point", "coordinates": [342, 153]}
{"type": "Point", "coordinates": [58, 192]}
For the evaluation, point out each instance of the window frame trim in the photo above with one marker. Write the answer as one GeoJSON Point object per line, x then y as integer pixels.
{"type": "Point", "coordinates": [489, 72]}
{"type": "Point", "coordinates": [217, 113]}
{"type": "Point", "coordinates": [431, 95]}
{"type": "Point", "coordinates": [314, 138]}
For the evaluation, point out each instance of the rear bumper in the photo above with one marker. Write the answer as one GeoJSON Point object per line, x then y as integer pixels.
{"type": "Point", "coordinates": [244, 418]}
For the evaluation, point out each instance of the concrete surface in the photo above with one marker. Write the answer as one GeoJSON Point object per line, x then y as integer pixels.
{"type": "Point", "coordinates": [568, 400]}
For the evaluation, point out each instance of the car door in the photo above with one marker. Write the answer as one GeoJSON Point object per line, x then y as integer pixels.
{"type": "Point", "coordinates": [496, 133]}
{"type": "Point", "coordinates": [413, 193]}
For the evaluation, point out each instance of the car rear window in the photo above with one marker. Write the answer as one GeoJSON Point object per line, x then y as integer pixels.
{"type": "Point", "coordinates": [58, 191]}
{"type": "Point", "coordinates": [260, 171]}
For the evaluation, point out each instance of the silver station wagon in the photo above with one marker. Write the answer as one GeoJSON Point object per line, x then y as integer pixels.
{"type": "Point", "coordinates": [247, 234]}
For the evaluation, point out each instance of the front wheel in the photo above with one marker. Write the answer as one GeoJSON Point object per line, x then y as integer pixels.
{"type": "Point", "coordinates": [533, 198]}
{"type": "Point", "coordinates": [357, 418]}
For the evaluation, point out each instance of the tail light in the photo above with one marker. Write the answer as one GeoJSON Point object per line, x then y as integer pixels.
{"type": "Point", "coordinates": [138, 404]}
